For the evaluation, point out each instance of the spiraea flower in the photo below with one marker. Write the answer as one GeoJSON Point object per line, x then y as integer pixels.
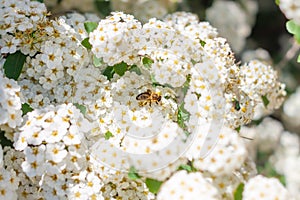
{"type": "Point", "coordinates": [10, 103]}
{"type": "Point", "coordinates": [21, 27]}
{"type": "Point", "coordinates": [187, 186]}
{"type": "Point", "coordinates": [145, 10]}
{"type": "Point", "coordinates": [227, 15]}
{"type": "Point", "coordinates": [119, 186]}
{"type": "Point", "coordinates": [286, 159]}
{"type": "Point", "coordinates": [291, 109]}
{"type": "Point", "coordinates": [53, 142]}
{"type": "Point", "coordinates": [9, 180]}
{"type": "Point", "coordinates": [261, 187]}
{"type": "Point", "coordinates": [228, 154]}
{"type": "Point", "coordinates": [291, 9]}
{"type": "Point", "coordinates": [52, 70]}
{"type": "Point", "coordinates": [150, 96]}
{"type": "Point", "coordinates": [112, 39]}
{"type": "Point", "coordinates": [76, 21]}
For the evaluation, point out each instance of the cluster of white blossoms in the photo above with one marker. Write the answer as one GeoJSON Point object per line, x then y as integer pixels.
{"type": "Point", "coordinates": [126, 107]}
{"type": "Point", "coordinates": [291, 9]}
{"type": "Point", "coordinates": [228, 15]}
{"type": "Point", "coordinates": [57, 7]}
{"type": "Point", "coordinates": [145, 9]}
{"type": "Point", "coordinates": [260, 187]}
{"type": "Point", "coordinates": [291, 110]}
{"type": "Point", "coordinates": [183, 185]}
{"type": "Point", "coordinates": [286, 160]}
{"type": "Point", "coordinates": [278, 147]}
{"type": "Point", "coordinates": [119, 186]}
{"type": "Point", "coordinates": [9, 181]}
{"type": "Point", "coordinates": [10, 103]}
{"type": "Point", "coordinates": [22, 26]}
{"type": "Point", "coordinates": [76, 21]}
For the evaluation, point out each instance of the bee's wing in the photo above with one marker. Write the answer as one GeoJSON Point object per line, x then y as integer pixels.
{"type": "Point", "coordinates": [143, 96]}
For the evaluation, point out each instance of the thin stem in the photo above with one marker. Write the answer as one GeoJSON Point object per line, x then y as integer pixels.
{"type": "Point", "coordinates": [289, 55]}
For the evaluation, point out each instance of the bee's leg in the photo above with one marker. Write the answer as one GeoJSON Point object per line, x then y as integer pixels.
{"type": "Point", "coordinates": [158, 103]}
{"type": "Point", "coordinates": [150, 103]}
{"type": "Point", "coordinates": [142, 103]}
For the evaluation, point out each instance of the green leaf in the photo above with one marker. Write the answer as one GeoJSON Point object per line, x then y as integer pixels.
{"type": "Point", "coordinates": [86, 43]}
{"type": "Point", "coordinates": [90, 26]}
{"type": "Point", "coordinates": [4, 141]}
{"type": "Point", "coordinates": [236, 104]}
{"type": "Point", "coordinates": [186, 84]}
{"type": "Point", "coordinates": [187, 168]}
{"type": "Point", "coordinates": [277, 2]}
{"type": "Point", "coordinates": [238, 193]}
{"type": "Point", "coordinates": [82, 108]}
{"type": "Point", "coordinates": [132, 174]}
{"type": "Point", "coordinates": [109, 72]}
{"type": "Point", "coordinates": [103, 6]}
{"type": "Point", "coordinates": [182, 116]}
{"type": "Point", "coordinates": [120, 68]}
{"type": "Point", "coordinates": [108, 135]}
{"type": "Point", "coordinates": [202, 42]}
{"type": "Point", "coordinates": [147, 62]}
{"type": "Point", "coordinates": [294, 29]}
{"type": "Point", "coordinates": [298, 59]}
{"type": "Point", "coordinates": [238, 129]}
{"type": "Point", "coordinates": [97, 61]}
{"type": "Point", "coordinates": [26, 108]}
{"type": "Point", "coordinates": [153, 185]}
{"type": "Point", "coordinates": [14, 64]}
{"type": "Point", "coordinates": [265, 100]}
{"type": "Point", "coordinates": [135, 69]}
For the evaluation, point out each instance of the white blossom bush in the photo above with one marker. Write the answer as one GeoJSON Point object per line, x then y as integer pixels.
{"type": "Point", "coordinates": [114, 108]}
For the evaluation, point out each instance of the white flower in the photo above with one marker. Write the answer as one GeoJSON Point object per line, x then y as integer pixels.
{"type": "Point", "coordinates": [227, 154]}
{"type": "Point", "coordinates": [10, 102]}
{"type": "Point", "coordinates": [9, 44]}
{"type": "Point", "coordinates": [286, 161]}
{"type": "Point", "coordinates": [262, 188]}
{"type": "Point", "coordinates": [291, 109]}
{"type": "Point", "coordinates": [180, 20]}
{"type": "Point", "coordinates": [56, 152]}
{"type": "Point", "coordinates": [118, 185]}
{"type": "Point", "coordinates": [94, 183]}
{"type": "Point", "coordinates": [291, 9]}
{"type": "Point", "coordinates": [187, 186]}
{"type": "Point", "coordinates": [268, 133]}
{"type": "Point", "coordinates": [111, 39]}
{"type": "Point", "coordinates": [226, 16]}
{"type": "Point", "coordinates": [259, 78]}
{"type": "Point", "coordinates": [77, 192]}
{"type": "Point", "coordinates": [34, 164]}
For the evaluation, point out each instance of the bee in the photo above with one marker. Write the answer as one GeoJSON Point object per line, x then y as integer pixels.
{"type": "Point", "coordinates": [148, 97]}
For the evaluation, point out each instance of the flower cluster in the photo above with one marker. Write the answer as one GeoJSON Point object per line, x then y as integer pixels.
{"type": "Point", "coordinates": [186, 186]}
{"type": "Point", "coordinates": [144, 10]}
{"type": "Point", "coordinates": [9, 181]}
{"type": "Point", "coordinates": [22, 26]}
{"type": "Point", "coordinates": [291, 110]}
{"type": "Point", "coordinates": [52, 70]}
{"type": "Point", "coordinates": [119, 106]}
{"type": "Point", "coordinates": [291, 9]}
{"type": "Point", "coordinates": [10, 103]}
{"type": "Point", "coordinates": [261, 187]}
{"type": "Point", "coordinates": [228, 15]}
